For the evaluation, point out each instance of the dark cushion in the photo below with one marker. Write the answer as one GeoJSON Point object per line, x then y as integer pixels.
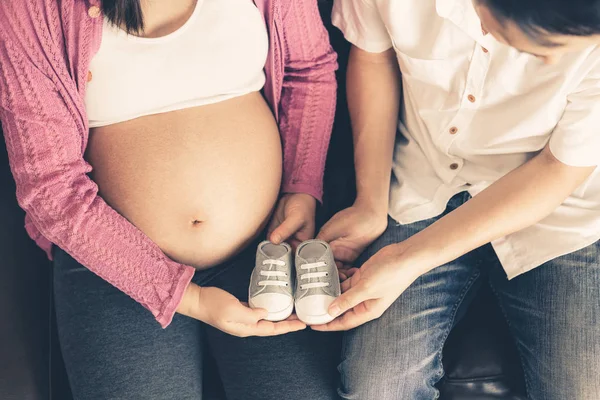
{"type": "Point", "coordinates": [480, 358]}
{"type": "Point", "coordinates": [24, 302]}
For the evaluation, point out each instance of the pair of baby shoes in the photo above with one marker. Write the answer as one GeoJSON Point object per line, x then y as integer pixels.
{"type": "Point", "coordinates": [310, 288]}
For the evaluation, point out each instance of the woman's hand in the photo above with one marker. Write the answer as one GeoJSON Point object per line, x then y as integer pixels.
{"type": "Point", "coordinates": [350, 231]}
{"type": "Point", "coordinates": [223, 311]}
{"type": "Point", "coordinates": [372, 289]}
{"type": "Point", "coordinates": [294, 219]}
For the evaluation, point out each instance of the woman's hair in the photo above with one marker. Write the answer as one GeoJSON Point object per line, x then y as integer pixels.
{"type": "Point", "coordinates": [126, 13]}
{"type": "Point", "coordinates": [538, 18]}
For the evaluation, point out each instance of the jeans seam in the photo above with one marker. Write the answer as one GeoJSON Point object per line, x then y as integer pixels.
{"type": "Point", "coordinates": [510, 326]}
{"type": "Point", "coordinates": [457, 304]}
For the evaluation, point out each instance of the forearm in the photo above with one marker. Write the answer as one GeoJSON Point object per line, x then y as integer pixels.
{"type": "Point", "coordinates": [373, 101]}
{"type": "Point", "coordinates": [518, 200]}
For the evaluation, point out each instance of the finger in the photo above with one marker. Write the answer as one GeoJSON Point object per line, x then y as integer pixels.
{"type": "Point", "coordinates": [351, 271]}
{"type": "Point", "coordinates": [348, 321]}
{"type": "Point", "coordinates": [259, 313]}
{"type": "Point", "coordinates": [342, 275]}
{"type": "Point", "coordinates": [275, 222]}
{"type": "Point", "coordinates": [346, 301]}
{"type": "Point", "coordinates": [267, 328]}
{"type": "Point", "coordinates": [306, 232]}
{"type": "Point", "coordinates": [346, 285]}
{"type": "Point", "coordinates": [288, 227]}
{"type": "Point", "coordinates": [334, 229]}
{"type": "Point", "coordinates": [342, 252]}
{"type": "Point", "coordinates": [347, 272]}
{"type": "Point", "coordinates": [276, 219]}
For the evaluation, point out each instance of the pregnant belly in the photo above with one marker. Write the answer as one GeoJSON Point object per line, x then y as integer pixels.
{"type": "Point", "coordinates": [200, 182]}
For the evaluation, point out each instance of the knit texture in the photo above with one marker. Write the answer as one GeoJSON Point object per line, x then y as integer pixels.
{"type": "Point", "coordinates": [45, 51]}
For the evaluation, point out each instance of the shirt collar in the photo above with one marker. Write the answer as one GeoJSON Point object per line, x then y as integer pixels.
{"type": "Point", "coordinates": [445, 8]}
{"type": "Point", "coordinates": [462, 13]}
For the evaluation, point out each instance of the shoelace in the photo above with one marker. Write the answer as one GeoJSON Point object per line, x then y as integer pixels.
{"type": "Point", "coordinates": [270, 273]}
{"type": "Point", "coordinates": [311, 275]}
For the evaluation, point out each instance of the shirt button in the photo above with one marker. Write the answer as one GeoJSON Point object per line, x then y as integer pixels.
{"type": "Point", "coordinates": [94, 12]}
{"type": "Point", "coordinates": [89, 76]}
{"type": "Point", "coordinates": [471, 98]}
{"type": "Point", "coordinates": [484, 49]}
{"type": "Point", "coordinates": [453, 130]}
{"type": "Point", "coordinates": [454, 166]}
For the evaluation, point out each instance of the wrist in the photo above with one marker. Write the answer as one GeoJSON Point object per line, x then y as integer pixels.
{"type": "Point", "coordinates": [376, 208]}
{"type": "Point", "coordinates": [375, 197]}
{"type": "Point", "coordinates": [190, 304]}
{"type": "Point", "coordinates": [305, 200]}
{"type": "Point", "coordinates": [305, 196]}
{"type": "Point", "coordinates": [418, 255]}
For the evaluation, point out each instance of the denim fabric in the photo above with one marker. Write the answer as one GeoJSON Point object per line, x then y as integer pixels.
{"type": "Point", "coordinates": [553, 313]}
{"type": "Point", "coordinates": [114, 349]}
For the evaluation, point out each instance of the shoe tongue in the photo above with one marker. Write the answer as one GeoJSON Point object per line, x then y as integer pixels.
{"type": "Point", "coordinates": [313, 252]}
{"type": "Point", "coordinates": [273, 251]}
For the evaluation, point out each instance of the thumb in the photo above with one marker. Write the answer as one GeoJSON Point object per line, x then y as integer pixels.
{"type": "Point", "coordinates": [249, 316]}
{"type": "Point", "coordinates": [259, 314]}
{"type": "Point", "coordinates": [334, 229]}
{"type": "Point", "coordinates": [288, 227]}
{"type": "Point", "coordinates": [348, 300]}
{"type": "Point", "coordinates": [307, 231]}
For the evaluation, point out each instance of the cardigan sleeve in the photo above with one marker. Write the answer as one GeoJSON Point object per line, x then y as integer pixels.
{"type": "Point", "coordinates": [308, 98]}
{"type": "Point", "coordinates": [43, 134]}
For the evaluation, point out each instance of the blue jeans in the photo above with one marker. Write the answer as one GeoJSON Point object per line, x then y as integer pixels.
{"type": "Point", "coordinates": [113, 348]}
{"type": "Point", "coordinates": [553, 313]}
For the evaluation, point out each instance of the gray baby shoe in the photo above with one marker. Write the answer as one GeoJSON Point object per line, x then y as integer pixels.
{"type": "Point", "coordinates": [317, 282]}
{"type": "Point", "coordinates": [271, 284]}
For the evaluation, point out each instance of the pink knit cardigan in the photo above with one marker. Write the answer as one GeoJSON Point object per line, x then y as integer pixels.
{"type": "Point", "coordinates": [45, 52]}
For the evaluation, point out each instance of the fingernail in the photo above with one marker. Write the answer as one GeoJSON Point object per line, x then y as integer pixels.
{"type": "Point", "coordinates": [276, 239]}
{"type": "Point", "coordinates": [334, 311]}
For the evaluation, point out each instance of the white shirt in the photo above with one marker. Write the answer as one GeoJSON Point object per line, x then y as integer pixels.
{"type": "Point", "coordinates": [474, 110]}
{"type": "Point", "coordinates": [218, 54]}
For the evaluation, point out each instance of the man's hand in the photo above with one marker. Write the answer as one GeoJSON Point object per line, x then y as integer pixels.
{"type": "Point", "coordinates": [372, 289]}
{"type": "Point", "coordinates": [294, 219]}
{"type": "Point", "coordinates": [350, 231]}
{"type": "Point", "coordinates": [516, 201]}
{"type": "Point", "coordinates": [223, 311]}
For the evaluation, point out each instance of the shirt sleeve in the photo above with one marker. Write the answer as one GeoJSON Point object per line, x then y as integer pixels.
{"type": "Point", "coordinates": [362, 25]}
{"type": "Point", "coordinates": [576, 139]}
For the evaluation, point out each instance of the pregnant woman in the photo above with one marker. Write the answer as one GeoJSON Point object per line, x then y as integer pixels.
{"type": "Point", "coordinates": [150, 141]}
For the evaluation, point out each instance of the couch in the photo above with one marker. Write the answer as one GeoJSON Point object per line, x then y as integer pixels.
{"type": "Point", "coordinates": [479, 356]}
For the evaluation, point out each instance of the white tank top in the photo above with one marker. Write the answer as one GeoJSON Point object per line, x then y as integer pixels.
{"type": "Point", "coordinates": [218, 54]}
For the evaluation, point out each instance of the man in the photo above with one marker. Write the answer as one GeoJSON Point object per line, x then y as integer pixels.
{"type": "Point", "coordinates": [499, 143]}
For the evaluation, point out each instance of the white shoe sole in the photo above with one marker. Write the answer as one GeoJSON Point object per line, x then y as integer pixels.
{"type": "Point", "coordinates": [277, 315]}
{"type": "Point", "coordinates": [314, 319]}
